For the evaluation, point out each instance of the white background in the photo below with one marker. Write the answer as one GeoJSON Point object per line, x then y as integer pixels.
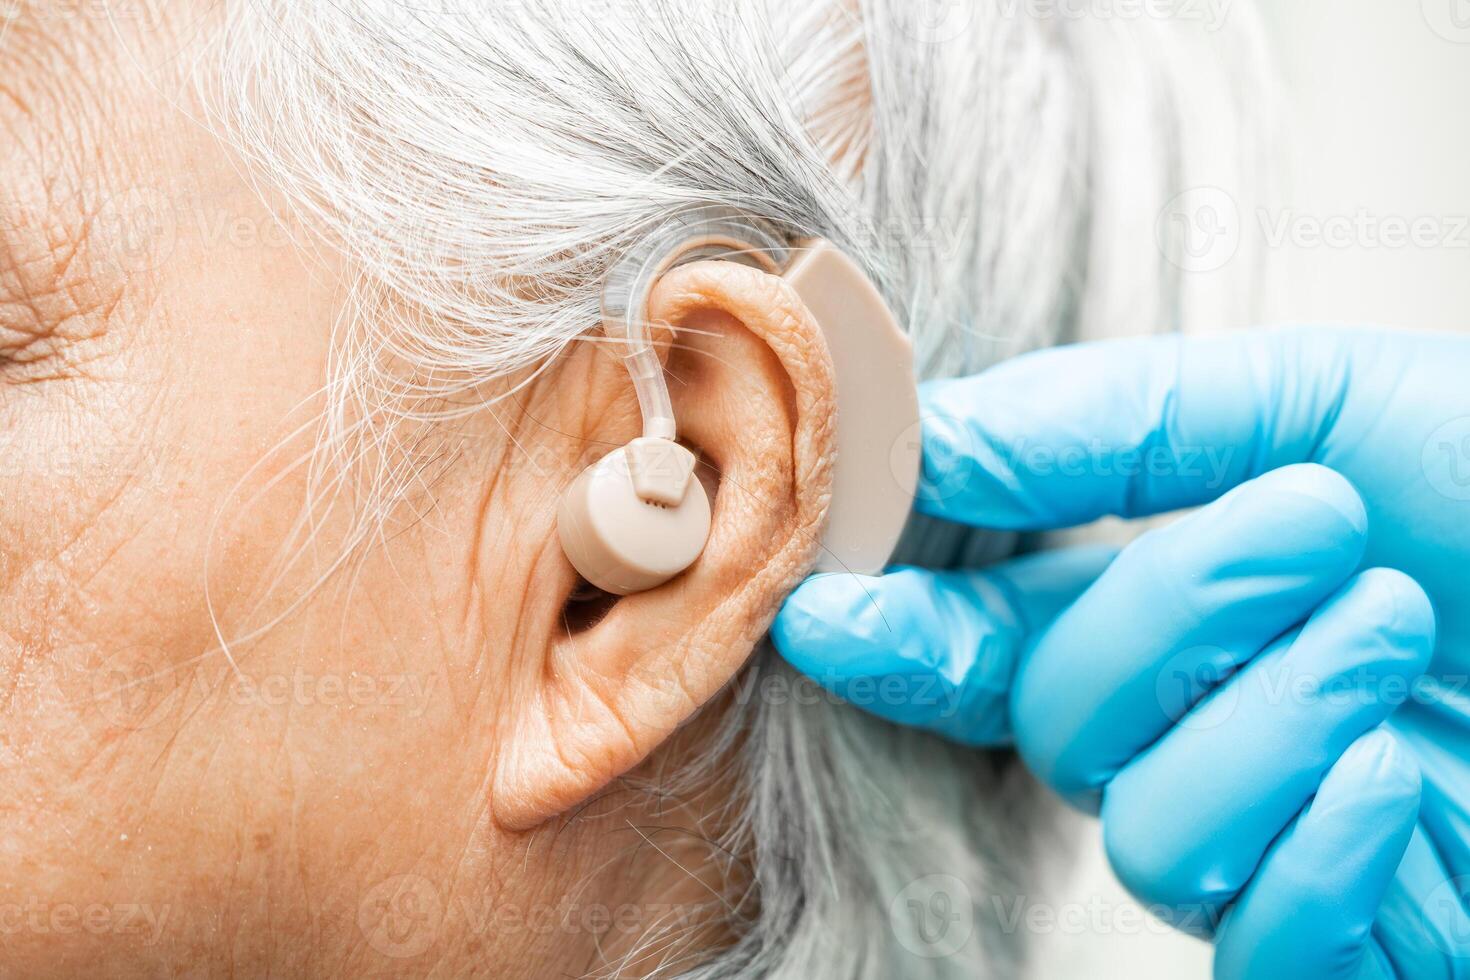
{"type": "Point", "coordinates": [1376, 130]}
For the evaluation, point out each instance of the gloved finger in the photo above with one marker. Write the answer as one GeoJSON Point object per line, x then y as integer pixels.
{"type": "Point", "coordinates": [1061, 437]}
{"type": "Point", "coordinates": [1309, 911]}
{"type": "Point", "coordinates": [1423, 925]}
{"type": "Point", "coordinates": [1191, 602]}
{"type": "Point", "coordinates": [1187, 822]}
{"type": "Point", "coordinates": [931, 649]}
{"type": "Point", "coordinates": [1436, 728]}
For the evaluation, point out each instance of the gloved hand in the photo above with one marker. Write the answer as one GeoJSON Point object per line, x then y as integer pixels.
{"type": "Point", "coordinates": [1241, 694]}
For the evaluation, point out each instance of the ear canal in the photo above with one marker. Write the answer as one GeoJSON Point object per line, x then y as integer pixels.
{"type": "Point", "coordinates": [636, 518]}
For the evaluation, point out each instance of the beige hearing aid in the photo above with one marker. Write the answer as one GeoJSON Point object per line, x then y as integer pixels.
{"type": "Point", "coordinates": [639, 516]}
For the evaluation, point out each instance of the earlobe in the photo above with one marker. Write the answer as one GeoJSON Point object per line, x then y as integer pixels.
{"type": "Point", "coordinates": [753, 383]}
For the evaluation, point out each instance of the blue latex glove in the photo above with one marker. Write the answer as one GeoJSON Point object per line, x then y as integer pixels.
{"type": "Point", "coordinates": [1240, 695]}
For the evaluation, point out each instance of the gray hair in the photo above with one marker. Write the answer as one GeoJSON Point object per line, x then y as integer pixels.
{"type": "Point", "coordinates": [1000, 173]}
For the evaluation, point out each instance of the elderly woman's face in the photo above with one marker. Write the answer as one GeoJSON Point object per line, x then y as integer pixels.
{"type": "Point", "coordinates": [159, 335]}
{"type": "Point", "coordinates": [224, 748]}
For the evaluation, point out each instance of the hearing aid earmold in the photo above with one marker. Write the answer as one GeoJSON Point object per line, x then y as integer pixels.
{"type": "Point", "coordinates": [639, 516]}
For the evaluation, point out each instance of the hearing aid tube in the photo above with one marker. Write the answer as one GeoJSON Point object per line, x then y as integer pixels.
{"type": "Point", "coordinates": [708, 232]}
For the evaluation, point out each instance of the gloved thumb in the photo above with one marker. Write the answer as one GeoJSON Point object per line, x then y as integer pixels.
{"type": "Point", "coordinates": [932, 649]}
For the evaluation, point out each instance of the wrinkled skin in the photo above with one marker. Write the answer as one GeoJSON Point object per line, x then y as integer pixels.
{"type": "Point", "coordinates": [156, 333]}
{"type": "Point", "coordinates": [320, 797]}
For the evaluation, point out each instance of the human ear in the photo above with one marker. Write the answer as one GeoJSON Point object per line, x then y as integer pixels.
{"type": "Point", "coordinates": [753, 388]}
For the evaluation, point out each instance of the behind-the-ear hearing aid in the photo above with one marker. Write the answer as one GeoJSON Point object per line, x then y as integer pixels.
{"type": "Point", "coordinates": [639, 516]}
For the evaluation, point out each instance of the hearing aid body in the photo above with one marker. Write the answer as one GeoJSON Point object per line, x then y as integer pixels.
{"type": "Point", "coordinates": [638, 517]}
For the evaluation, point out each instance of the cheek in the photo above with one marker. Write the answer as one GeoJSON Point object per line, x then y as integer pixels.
{"type": "Point", "coordinates": [120, 503]}
{"type": "Point", "coordinates": [157, 465]}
